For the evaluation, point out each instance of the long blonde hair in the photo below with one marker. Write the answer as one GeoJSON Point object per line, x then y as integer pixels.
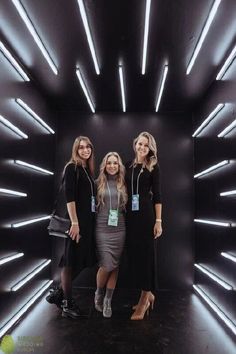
{"type": "Point", "coordinates": [76, 159]}
{"type": "Point", "coordinates": [120, 180]}
{"type": "Point", "coordinates": [151, 158]}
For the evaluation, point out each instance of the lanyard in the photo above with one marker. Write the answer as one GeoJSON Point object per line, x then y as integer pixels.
{"type": "Point", "coordinates": [118, 196]}
{"type": "Point", "coordinates": [90, 180]}
{"type": "Point", "coordinates": [132, 180]}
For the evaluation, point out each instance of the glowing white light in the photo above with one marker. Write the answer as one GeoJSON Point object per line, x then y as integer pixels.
{"type": "Point", "coordinates": [122, 88]}
{"type": "Point", "coordinates": [33, 167]}
{"type": "Point", "coordinates": [145, 38]}
{"type": "Point", "coordinates": [214, 277]}
{"type": "Point", "coordinates": [222, 194]}
{"type": "Point", "coordinates": [88, 34]}
{"type": "Point", "coordinates": [229, 256]}
{"type": "Point", "coordinates": [82, 83]}
{"type": "Point", "coordinates": [212, 115]}
{"type": "Point", "coordinates": [4, 260]}
{"type": "Point", "coordinates": [27, 222]}
{"type": "Point", "coordinates": [227, 129]}
{"type": "Point", "coordinates": [13, 62]}
{"type": "Point", "coordinates": [227, 64]}
{"type": "Point", "coordinates": [32, 274]}
{"type": "Point", "coordinates": [213, 222]}
{"type": "Point", "coordinates": [34, 34]}
{"type": "Point", "coordinates": [212, 168]}
{"type": "Point", "coordinates": [13, 127]}
{"type": "Point", "coordinates": [203, 35]}
{"type": "Point", "coordinates": [34, 115]}
{"type": "Point", "coordinates": [24, 308]}
{"type": "Point", "coordinates": [162, 87]}
{"type": "Point", "coordinates": [11, 192]}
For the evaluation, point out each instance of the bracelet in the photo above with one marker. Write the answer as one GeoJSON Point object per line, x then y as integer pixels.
{"type": "Point", "coordinates": [75, 223]}
{"type": "Point", "coordinates": [158, 220]}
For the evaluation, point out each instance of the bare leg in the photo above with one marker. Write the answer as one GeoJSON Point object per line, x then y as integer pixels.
{"type": "Point", "coordinates": [102, 277]}
{"type": "Point", "coordinates": [66, 282]}
{"type": "Point", "coordinates": [111, 282]}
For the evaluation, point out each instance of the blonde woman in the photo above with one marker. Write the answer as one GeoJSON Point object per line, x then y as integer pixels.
{"type": "Point", "coordinates": [143, 220]}
{"type": "Point", "coordinates": [110, 228]}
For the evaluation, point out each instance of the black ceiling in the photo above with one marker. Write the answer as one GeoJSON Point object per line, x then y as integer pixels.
{"type": "Point", "coordinates": [117, 28]}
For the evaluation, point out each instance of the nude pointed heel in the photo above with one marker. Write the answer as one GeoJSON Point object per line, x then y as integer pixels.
{"type": "Point", "coordinates": [151, 299]}
{"type": "Point", "coordinates": [139, 315]}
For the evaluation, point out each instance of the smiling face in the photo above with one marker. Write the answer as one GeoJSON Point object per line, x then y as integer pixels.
{"type": "Point", "coordinates": [84, 150]}
{"type": "Point", "coordinates": [142, 148]}
{"type": "Point", "coordinates": [112, 165]}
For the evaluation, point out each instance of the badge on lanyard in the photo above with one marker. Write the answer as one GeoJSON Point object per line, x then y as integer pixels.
{"type": "Point", "coordinates": [113, 217]}
{"type": "Point", "coordinates": [93, 204]}
{"type": "Point", "coordinates": [135, 202]}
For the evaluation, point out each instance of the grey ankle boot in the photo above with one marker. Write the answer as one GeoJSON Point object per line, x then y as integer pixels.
{"type": "Point", "coordinates": [107, 311]}
{"type": "Point", "coordinates": [98, 302]}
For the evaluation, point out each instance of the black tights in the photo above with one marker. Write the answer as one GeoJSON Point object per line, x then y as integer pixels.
{"type": "Point", "coordinates": [66, 282]}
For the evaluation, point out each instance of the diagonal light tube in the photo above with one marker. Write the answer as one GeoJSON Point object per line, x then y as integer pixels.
{"type": "Point", "coordinates": [33, 167]}
{"type": "Point", "coordinates": [84, 88]}
{"type": "Point", "coordinates": [214, 277]}
{"type": "Point", "coordinates": [226, 64]}
{"type": "Point", "coordinates": [23, 105]}
{"type": "Point", "coordinates": [229, 256]}
{"type": "Point", "coordinates": [31, 221]}
{"type": "Point", "coordinates": [34, 34]}
{"type": "Point", "coordinates": [212, 115]}
{"type": "Point", "coordinates": [203, 35]}
{"type": "Point", "coordinates": [223, 194]}
{"type": "Point", "coordinates": [212, 168]}
{"type": "Point", "coordinates": [227, 129]}
{"type": "Point", "coordinates": [11, 192]}
{"type": "Point", "coordinates": [89, 36]}
{"type": "Point", "coordinates": [163, 80]}
{"type": "Point", "coordinates": [122, 88]}
{"type": "Point", "coordinates": [13, 62]}
{"type": "Point", "coordinates": [145, 38]}
{"type": "Point", "coordinates": [13, 127]}
{"type": "Point", "coordinates": [10, 258]}
{"type": "Point", "coordinates": [213, 222]}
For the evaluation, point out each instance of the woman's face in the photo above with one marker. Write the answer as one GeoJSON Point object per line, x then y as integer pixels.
{"type": "Point", "coordinates": [142, 148]}
{"type": "Point", "coordinates": [112, 165]}
{"type": "Point", "coordinates": [84, 150]}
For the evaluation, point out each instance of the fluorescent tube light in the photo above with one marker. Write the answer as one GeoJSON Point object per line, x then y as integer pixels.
{"type": "Point", "coordinates": [229, 256]}
{"type": "Point", "coordinates": [29, 276]}
{"type": "Point", "coordinates": [226, 65]}
{"type": "Point", "coordinates": [203, 35]}
{"type": "Point", "coordinates": [33, 167]}
{"type": "Point", "coordinates": [223, 194]}
{"type": "Point", "coordinates": [13, 127]}
{"type": "Point", "coordinates": [27, 222]}
{"type": "Point", "coordinates": [25, 307]}
{"type": "Point", "coordinates": [212, 115]}
{"type": "Point", "coordinates": [213, 222]}
{"type": "Point", "coordinates": [13, 62]}
{"type": "Point", "coordinates": [216, 309]}
{"type": "Point", "coordinates": [212, 168]}
{"type": "Point", "coordinates": [82, 83]}
{"type": "Point", "coordinates": [122, 88]}
{"type": "Point", "coordinates": [6, 259]}
{"type": "Point", "coordinates": [214, 277]}
{"type": "Point", "coordinates": [163, 80]}
{"type": "Point", "coordinates": [34, 115]}
{"type": "Point", "coordinates": [11, 192]}
{"type": "Point", "coordinates": [227, 129]}
{"type": "Point", "coordinates": [34, 34]}
{"type": "Point", "coordinates": [89, 36]}
{"type": "Point", "coordinates": [145, 38]}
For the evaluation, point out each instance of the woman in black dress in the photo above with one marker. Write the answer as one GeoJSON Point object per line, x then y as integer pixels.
{"type": "Point", "coordinates": [79, 247]}
{"type": "Point", "coordinates": [143, 218]}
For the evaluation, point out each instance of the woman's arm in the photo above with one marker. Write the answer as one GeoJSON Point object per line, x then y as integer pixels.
{"type": "Point", "coordinates": [158, 226]}
{"type": "Point", "coordinates": [74, 229]}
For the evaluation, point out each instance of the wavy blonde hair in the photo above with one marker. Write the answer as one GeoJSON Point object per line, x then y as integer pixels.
{"type": "Point", "coordinates": [76, 159]}
{"type": "Point", "coordinates": [120, 180]}
{"type": "Point", "coordinates": [151, 158]}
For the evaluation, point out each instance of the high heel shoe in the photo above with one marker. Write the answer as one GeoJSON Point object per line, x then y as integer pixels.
{"type": "Point", "coordinates": [151, 299]}
{"type": "Point", "coordinates": [140, 312]}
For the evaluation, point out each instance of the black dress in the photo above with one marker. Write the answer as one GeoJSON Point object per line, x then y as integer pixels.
{"type": "Point", "coordinates": [79, 187]}
{"type": "Point", "coordinates": [140, 224]}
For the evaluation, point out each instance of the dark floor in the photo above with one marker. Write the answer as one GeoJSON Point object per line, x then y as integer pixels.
{"type": "Point", "coordinates": [179, 324]}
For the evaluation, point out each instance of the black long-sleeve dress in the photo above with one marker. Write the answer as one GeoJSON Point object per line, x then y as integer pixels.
{"type": "Point", "coordinates": [78, 188]}
{"type": "Point", "coordinates": [140, 224]}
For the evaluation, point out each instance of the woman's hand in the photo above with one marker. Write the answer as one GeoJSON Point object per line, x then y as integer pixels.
{"type": "Point", "coordinates": [74, 233]}
{"type": "Point", "coordinates": [157, 230]}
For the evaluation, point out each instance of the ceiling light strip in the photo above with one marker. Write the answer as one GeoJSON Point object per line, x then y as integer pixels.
{"type": "Point", "coordinates": [29, 276]}
{"type": "Point", "coordinates": [227, 129]}
{"type": "Point", "coordinates": [13, 127]}
{"type": "Point", "coordinates": [11, 192]}
{"type": "Point", "coordinates": [33, 167]}
{"type": "Point", "coordinates": [31, 221]}
{"type": "Point", "coordinates": [88, 35]}
{"type": "Point", "coordinates": [35, 35]}
{"type": "Point", "coordinates": [229, 256]}
{"type": "Point", "coordinates": [214, 277]}
{"type": "Point", "coordinates": [145, 37]}
{"type": "Point", "coordinates": [7, 259]}
{"type": "Point", "coordinates": [212, 115]}
{"type": "Point", "coordinates": [162, 87]}
{"type": "Point", "coordinates": [212, 168]}
{"type": "Point", "coordinates": [213, 222]}
{"type": "Point", "coordinates": [227, 321]}
{"type": "Point", "coordinates": [203, 35]}
{"type": "Point", "coordinates": [25, 307]}
{"type": "Point", "coordinates": [223, 194]}
{"type": "Point", "coordinates": [122, 88]}
{"type": "Point", "coordinates": [13, 62]}
{"type": "Point", "coordinates": [227, 64]}
{"type": "Point", "coordinates": [84, 88]}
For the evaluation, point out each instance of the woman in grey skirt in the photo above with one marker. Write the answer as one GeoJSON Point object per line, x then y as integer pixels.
{"type": "Point", "coordinates": [110, 228]}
